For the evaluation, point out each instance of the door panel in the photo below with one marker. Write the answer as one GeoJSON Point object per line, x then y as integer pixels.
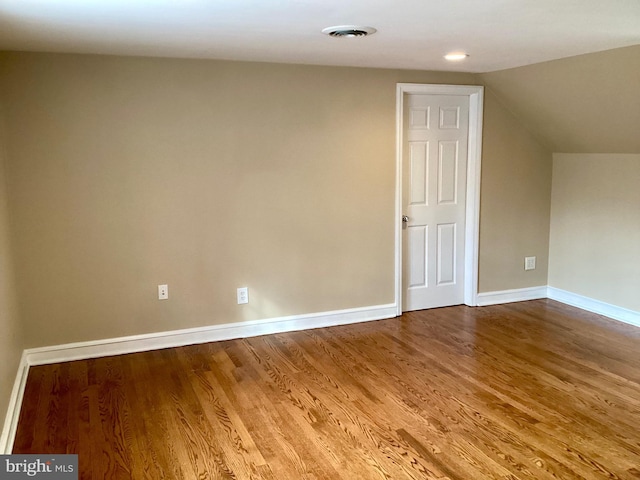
{"type": "Point", "coordinates": [418, 249]}
{"type": "Point", "coordinates": [446, 254]}
{"type": "Point", "coordinates": [434, 176]}
{"type": "Point", "coordinates": [448, 173]}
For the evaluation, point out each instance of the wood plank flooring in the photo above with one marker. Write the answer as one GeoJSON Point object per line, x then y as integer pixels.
{"type": "Point", "coordinates": [531, 390]}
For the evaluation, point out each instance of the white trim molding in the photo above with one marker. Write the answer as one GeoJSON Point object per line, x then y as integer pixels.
{"type": "Point", "coordinates": [614, 312]}
{"type": "Point", "coordinates": [472, 212]}
{"type": "Point", "coordinates": [175, 338]}
{"type": "Point", "coordinates": [509, 296]}
{"type": "Point", "coordinates": [13, 411]}
{"type": "Point", "coordinates": [213, 333]}
{"type": "Point", "coordinates": [253, 328]}
{"type": "Point", "coordinates": [595, 306]}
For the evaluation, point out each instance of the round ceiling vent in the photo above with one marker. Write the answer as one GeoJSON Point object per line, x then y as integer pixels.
{"type": "Point", "coordinates": [349, 31]}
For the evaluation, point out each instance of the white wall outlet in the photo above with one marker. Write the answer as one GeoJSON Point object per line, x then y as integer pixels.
{"type": "Point", "coordinates": [243, 295]}
{"type": "Point", "coordinates": [529, 263]}
{"type": "Point", "coordinates": [163, 292]}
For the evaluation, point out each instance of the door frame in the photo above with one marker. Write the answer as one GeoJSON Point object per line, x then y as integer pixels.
{"type": "Point", "coordinates": [472, 207]}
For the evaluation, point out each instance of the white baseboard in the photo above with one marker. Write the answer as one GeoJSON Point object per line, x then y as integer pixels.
{"type": "Point", "coordinates": [596, 306]}
{"type": "Point", "coordinates": [508, 296]}
{"type": "Point", "coordinates": [15, 404]}
{"type": "Point", "coordinates": [213, 333]}
{"type": "Point", "coordinates": [176, 338]}
{"type": "Point", "coordinates": [585, 303]}
{"type": "Point", "coordinates": [192, 336]}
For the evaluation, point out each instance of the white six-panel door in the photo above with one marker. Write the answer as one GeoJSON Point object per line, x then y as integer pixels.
{"type": "Point", "coordinates": [436, 131]}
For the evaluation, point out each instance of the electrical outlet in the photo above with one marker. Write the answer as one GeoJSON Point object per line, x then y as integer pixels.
{"type": "Point", "coordinates": [243, 295]}
{"type": "Point", "coordinates": [163, 292]}
{"type": "Point", "coordinates": [529, 263]}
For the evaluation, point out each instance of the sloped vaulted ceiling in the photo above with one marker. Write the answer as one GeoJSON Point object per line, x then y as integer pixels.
{"type": "Point", "coordinates": [584, 104]}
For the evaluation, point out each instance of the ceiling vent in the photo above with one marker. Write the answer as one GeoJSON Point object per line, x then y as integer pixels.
{"type": "Point", "coordinates": [350, 31]}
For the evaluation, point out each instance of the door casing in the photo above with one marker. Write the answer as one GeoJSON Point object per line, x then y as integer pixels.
{"type": "Point", "coordinates": [472, 207]}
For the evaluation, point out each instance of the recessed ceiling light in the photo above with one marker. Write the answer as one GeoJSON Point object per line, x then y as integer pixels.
{"type": "Point", "coordinates": [455, 57]}
{"type": "Point", "coordinates": [349, 31]}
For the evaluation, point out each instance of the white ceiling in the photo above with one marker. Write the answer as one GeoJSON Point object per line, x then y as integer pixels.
{"type": "Point", "coordinates": [415, 34]}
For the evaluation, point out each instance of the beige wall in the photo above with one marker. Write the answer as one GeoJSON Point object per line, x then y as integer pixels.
{"type": "Point", "coordinates": [595, 227]}
{"type": "Point", "coordinates": [581, 105]}
{"type": "Point", "coordinates": [584, 104]}
{"type": "Point", "coordinates": [515, 202]}
{"type": "Point", "coordinates": [10, 336]}
{"type": "Point", "coordinates": [125, 173]}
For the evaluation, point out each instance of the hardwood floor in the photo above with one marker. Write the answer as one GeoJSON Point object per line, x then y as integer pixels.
{"type": "Point", "coordinates": [532, 390]}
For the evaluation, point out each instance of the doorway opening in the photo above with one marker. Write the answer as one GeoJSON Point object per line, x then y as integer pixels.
{"type": "Point", "coordinates": [464, 264]}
